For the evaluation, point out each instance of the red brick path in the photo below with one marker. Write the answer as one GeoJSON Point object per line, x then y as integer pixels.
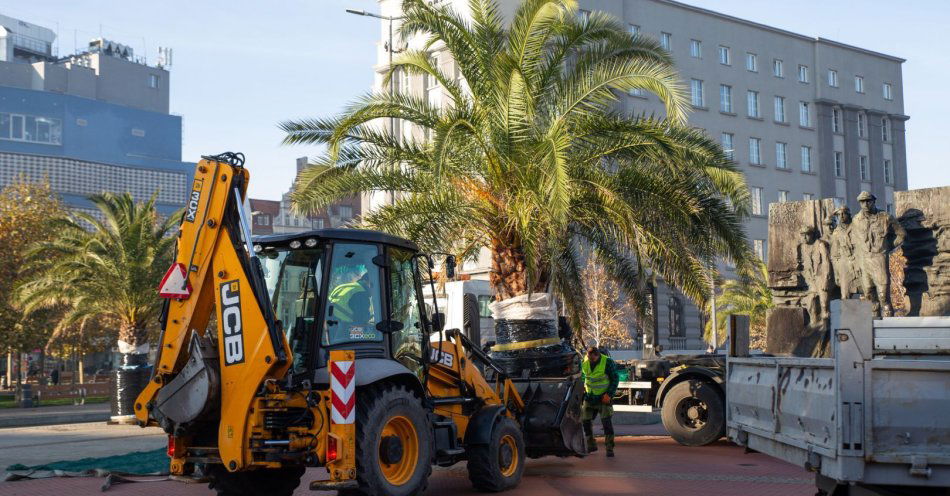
{"type": "Point", "coordinates": [648, 466]}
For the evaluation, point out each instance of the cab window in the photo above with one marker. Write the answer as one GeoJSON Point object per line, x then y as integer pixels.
{"type": "Point", "coordinates": [408, 341]}
{"type": "Point", "coordinates": [354, 305]}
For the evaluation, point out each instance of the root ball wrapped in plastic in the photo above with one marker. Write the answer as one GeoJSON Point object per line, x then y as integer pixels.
{"type": "Point", "coordinates": [527, 338]}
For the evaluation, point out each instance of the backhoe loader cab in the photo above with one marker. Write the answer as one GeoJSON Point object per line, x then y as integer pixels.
{"type": "Point", "coordinates": [347, 289]}
{"type": "Point", "coordinates": [314, 349]}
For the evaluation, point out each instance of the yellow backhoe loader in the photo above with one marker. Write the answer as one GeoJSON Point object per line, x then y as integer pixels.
{"type": "Point", "coordinates": [315, 349]}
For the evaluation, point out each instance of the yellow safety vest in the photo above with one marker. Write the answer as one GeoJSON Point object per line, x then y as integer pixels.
{"type": "Point", "coordinates": [596, 381]}
{"type": "Point", "coordinates": [340, 298]}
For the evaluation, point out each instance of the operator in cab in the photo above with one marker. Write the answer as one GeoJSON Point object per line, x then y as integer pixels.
{"type": "Point", "coordinates": [352, 308]}
{"type": "Point", "coordinates": [601, 379]}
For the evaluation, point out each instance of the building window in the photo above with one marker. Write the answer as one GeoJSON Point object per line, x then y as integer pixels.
{"type": "Point", "coordinates": [885, 129]}
{"type": "Point", "coordinates": [696, 93]}
{"type": "Point", "coordinates": [859, 84]}
{"type": "Point", "coordinates": [154, 81]}
{"type": "Point", "coordinates": [666, 41]}
{"type": "Point", "coordinates": [832, 78]}
{"type": "Point", "coordinates": [889, 208]}
{"type": "Point", "coordinates": [346, 212]}
{"type": "Point", "coordinates": [808, 196]}
{"type": "Point", "coordinates": [888, 92]}
{"type": "Point", "coordinates": [31, 128]}
{"type": "Point", "coordinates": [804, 114]}
{"type": "Point", "coordinates": [888, 172]}
{"type": "Point", "coordinates": [756, 200]}
{"type": "Point", "coordinates": [696, 49]}
{"type": "Point", "coordinates": [836, 120]}
{"type": "Point", "coordinates": [727, 145]}
{"type": "Point", "coordinates": [806, 159]}
{"type": "Point", "coordinates": [863, 168]}
{"type": "Point", "coordinates": [319, 223]}
{"type": "Point", "coordinates": [782, 196]}
{"type": "Point", "coordinates": [802, 73]}
{"type": "Point", "coordinates": [751, 62]}
{"type": "Point", "coordinates": [637, 92]}
{"type": "Point", "coordinates": [778, 68]}
{"type": "Point", "coordinates": [759, 246]}
{"type": "Point", "coordinates": [753, 103]}
{"type": "Point", "coordinates": [781, 155]}
{"type": "Point", "coordinates": [634, 30]}
{"type": "Point", "coordinates": [755, 148]}
{"type": "Point", "coordinates": [779, 109]}
{"type": "Point", "coordinates": [433, 89]}
{"type": "Point", "coordinates": [862, 125]}
{"type": "Point", "coordinates": [839, 164]}
{"type": "Point", "coordinates": [725, 55]}
{"type": "Point", "coordinates": [725, 98]}
{"type": "Point", "coordinates": [677, 326]}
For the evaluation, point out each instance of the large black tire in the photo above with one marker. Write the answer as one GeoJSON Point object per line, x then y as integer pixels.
{"type": "Point", "coordinates": [498, 465]}
{"type": "Point", "coordinates": [273, 482]}
{"type": "Point", "coordinates": [394, 409]}
{"type": "Point", "coordinates": [693, 413]}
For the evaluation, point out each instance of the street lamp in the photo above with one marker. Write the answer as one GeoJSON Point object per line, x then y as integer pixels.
{"type": "Point", "coordinates": [392, 81]}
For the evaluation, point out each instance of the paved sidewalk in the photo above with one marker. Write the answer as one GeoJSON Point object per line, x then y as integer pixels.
{"type": "Point", "coordinates": [646, 465]}
{"type": "Point", "coordinates": [51, 415]}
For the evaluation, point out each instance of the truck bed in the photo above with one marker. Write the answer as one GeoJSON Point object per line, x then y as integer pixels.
{"type": "Point", "coordinates": [878, 413]}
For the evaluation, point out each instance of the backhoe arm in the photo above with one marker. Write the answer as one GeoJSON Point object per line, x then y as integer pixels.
{"type": "Point", "coordinates": [217, 370]}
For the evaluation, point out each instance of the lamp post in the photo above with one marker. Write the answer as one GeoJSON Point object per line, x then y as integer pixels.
{"type": "Point", "coordinates": [392, 81]}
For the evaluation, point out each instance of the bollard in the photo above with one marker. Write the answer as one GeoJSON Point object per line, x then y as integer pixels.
{"type": "Point", "coordinates": [26, 396]}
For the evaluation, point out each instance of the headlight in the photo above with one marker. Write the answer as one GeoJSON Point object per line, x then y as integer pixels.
{"type": "Point", "coordinates": [311, 242]}
{"type": "Point", "coordinates": [258, 248]}
{"type": "Point", "coordinates": [295, 244]}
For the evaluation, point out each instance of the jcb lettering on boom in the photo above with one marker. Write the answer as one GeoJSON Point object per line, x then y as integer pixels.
{"type": "Point", "coordinates": [192, 210]}
{"type": "Point", "coordinates": [231, 322]}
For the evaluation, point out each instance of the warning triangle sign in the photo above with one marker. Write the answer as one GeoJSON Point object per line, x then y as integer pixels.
{"type": "Point", "coordinates": [175, 283]}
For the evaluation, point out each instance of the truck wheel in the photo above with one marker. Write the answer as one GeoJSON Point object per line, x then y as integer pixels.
{"type": "Point", "coordinates": [498, 465]}
{"type": "Point", "coordinates": [393, 442]}
{"type": "Point", "coordinates": [693, 413]}
{"type": "Point", "coordinates": [277, 482]}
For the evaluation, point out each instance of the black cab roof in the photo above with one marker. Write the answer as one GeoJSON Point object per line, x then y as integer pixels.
{"type": "Point", "coordinates": [363, 235]}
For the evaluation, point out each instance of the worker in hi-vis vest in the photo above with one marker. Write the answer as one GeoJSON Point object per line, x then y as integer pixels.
{"type": "Point", "coordinates": [600, 383]}
{"type": "Point", "coordinates": [352, 311]}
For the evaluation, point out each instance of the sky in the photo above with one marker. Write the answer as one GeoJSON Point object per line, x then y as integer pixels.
{"type": "Point", "coordinates": [240, 67]}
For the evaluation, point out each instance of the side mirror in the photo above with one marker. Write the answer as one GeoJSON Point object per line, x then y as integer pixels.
{"type": "Point", "coordinates": [438, 321]}
{"type": "Point", "coordinates": [450, 266]}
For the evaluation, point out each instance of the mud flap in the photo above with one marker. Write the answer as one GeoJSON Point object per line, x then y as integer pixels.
{"type": "Point", "coordinates": [552, 419]}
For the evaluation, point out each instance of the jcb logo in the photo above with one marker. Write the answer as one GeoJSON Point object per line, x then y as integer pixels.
{"type": "Point", "coordinates": [444, 358]}
{"type": "Point", "coordinates": [192, 210]}
{"type": "Point", "coordinates": [231, 323]}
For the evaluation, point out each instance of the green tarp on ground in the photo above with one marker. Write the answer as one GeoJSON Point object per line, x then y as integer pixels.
{"type": "Point", "coordinates": [137, 462]}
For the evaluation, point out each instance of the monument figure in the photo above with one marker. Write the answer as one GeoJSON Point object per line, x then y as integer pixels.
{"type": "Point", "coordinates": [872, 230]}
{"type": "Point", "coordinates": [815, 259]}
{"type": "Point", "coordinates": [842, 253]}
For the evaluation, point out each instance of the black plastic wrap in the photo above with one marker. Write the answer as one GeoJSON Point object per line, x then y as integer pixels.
{"type": "Point", "coordinates": [518, 331]}
{"type": "Point", "coordinates": [551, 360]}
{"type": "Point", "coordinates": [130, 379]}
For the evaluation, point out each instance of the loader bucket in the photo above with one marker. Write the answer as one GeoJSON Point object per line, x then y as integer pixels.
{"type": "Point", "coordinates": [552, 418]}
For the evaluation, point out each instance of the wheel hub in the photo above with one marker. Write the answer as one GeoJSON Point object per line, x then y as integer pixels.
{"type": "Point", "coordinates": [390, 450]}
{"type": "Point", "coordinates": [693, 413]}
{"type": "Point", "coordinates": [505, 455]}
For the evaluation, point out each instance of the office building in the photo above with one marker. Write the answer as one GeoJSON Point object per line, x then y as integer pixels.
{"type": "Point", "coordinates": [803, 117]}
{"type": "Point", "coordinates": [90, 122]}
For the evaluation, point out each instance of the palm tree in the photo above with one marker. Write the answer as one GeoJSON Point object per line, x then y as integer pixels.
{"type": "Point", "coordinates": [103, 268]}
{"type": "Point", "coordinates": [748, 295]}
{"type": "Point", "coordinates": [530, 158]}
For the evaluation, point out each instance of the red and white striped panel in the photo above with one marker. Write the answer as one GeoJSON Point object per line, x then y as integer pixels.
{"type": "Point", "coordinates": [343, 392]}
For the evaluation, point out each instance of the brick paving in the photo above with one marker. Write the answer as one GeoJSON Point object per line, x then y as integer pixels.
{"type": "Point", "coordinates": [646, 465]}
